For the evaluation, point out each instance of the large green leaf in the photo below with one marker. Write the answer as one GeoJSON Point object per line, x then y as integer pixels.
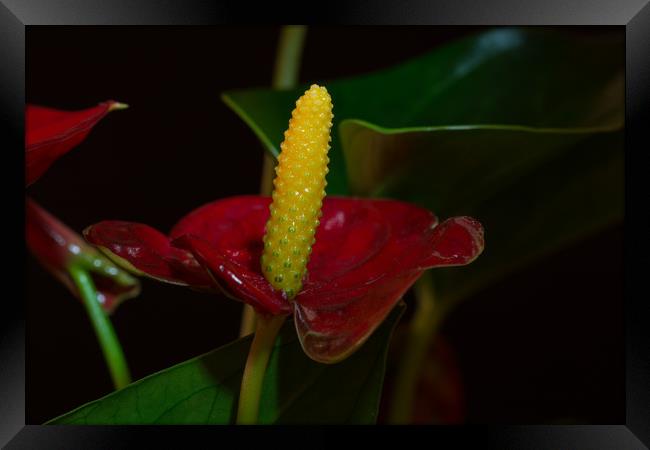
{"type": "Point", "coordinates": [525, 77]}
{"type": "Point", "coordinates": [204, 390]}
{"type": "Point", "coordinates": [520, 128]}
{"type": "Point", "coordinates": [532, 195]}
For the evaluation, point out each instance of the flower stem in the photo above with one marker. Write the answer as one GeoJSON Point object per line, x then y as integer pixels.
{"type": "Point", "coordinates": [420, 334]}
{"type": "Point", "coordinates": [104, 331]}
{"type": "Point", "coordinates": [247, 321]}
{"type": "Point", "coordinates": [285, 76]}
{"type": "Point", "coordinates": [258, 358]}
{"type": "Point", "coordinates": [288, 56]}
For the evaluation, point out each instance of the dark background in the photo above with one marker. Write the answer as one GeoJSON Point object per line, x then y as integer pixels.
{"type": "Point", "coordinates": [543, 346]}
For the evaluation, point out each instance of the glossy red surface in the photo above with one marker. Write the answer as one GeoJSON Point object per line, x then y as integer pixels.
{"type": "Point", "coordinates": [367, 254]}
{"type": "Point", "coordinates": [146, 251]}
{"type": "Point", "coordinates": [56, 247]}
{"type": "Point", "coordinates": [51, 133]}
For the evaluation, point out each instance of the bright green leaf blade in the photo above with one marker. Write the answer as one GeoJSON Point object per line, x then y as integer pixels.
{"type": "Point", "coordinates": [204, 390]}
{"type": "Point", "coordinates": [527, 77]}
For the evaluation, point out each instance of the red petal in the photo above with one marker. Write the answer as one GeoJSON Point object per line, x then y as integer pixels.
{"type": "Point", "coordinates": [226, 237]}
{"type": "Point", "coordinates": [236, 280]}
{"type": "Point", "coordinates": [50, 133]}
{"type": "Point", "coordinates": [457, 241]}
{"type": "Point", "coordinates": [234, 226]}
{"type": "Point", "coordinates": [57, 247]}
{"type": "Point", "coordinates": [367, 254]}
{"type": "Point", "coordinates": [339, 309]}
{"type": "Point", "coordinates": [146, 251]}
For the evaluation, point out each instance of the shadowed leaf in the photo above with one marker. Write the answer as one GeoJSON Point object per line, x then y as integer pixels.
{"type": "Point", "coordinates": [204, 390]}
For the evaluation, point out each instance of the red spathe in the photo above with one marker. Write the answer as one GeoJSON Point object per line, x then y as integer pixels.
{"type": "Point", "coordinates": [51, 133]}
{"type": "Point", "coordinates": [367, 254]}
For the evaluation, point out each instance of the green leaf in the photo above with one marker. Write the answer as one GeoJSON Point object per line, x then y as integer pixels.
{"type": "Point", "coordinates": [536, 78]}
{"type": "Point", "coordinates": [533, 191]}
{"type": "Point", "coordinates": [519, 128]}
{"type": "Point", "coordinates": [538, 181]}
{"type": "Point", "coordinates": [204, 390]}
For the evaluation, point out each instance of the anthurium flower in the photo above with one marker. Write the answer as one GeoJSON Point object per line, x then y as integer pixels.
{"type": "Point", "coordinates": [367, 253]}
{"type": "Point", "coordinates": [339, 264]}
{"type": "Point", "coordinates": [57, 247]}
{"type": "Point", "coordinates": [51, 133]}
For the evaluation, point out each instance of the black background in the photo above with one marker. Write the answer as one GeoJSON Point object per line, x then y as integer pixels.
{"type": "Point", "coordinates": [543, 346]}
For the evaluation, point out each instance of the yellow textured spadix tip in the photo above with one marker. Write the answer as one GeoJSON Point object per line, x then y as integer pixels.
{"type": "Point", "coordinates": [299, 188]}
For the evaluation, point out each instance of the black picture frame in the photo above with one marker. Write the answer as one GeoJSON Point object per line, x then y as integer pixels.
{"type": "Point", "coordinates": [634, 15]}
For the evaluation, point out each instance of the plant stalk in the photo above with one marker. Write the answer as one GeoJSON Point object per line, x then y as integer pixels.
{"type": "Point", "coordinates": [247, 321]}
{"type": "Point", "coordinates": [258, 358]}
{"type": "Point", "coordinates": [422, 329]}
{"type": "Point", "coordinates": [285, 76]}
{"type": "Point", "coordinates": [108, 341]}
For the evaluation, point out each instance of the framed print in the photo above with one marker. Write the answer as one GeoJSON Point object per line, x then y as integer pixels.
{"type": "Point", "coordinates": [427, 220]}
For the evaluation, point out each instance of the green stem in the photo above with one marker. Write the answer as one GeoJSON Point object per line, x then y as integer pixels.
{"type": "Point", "coordinates": [422, 329]}
{"type": "Point", "coordinates": [285, 76]}
{"type": "Point", "coordinates": [268, 172]}
{"type": "Point", "coordinates": [108, 341]}
{"type": "Point", "coordinates": [288, 56]}
{"type": "Point", "coordinates": [247, 321]}
{"type": "Point", "coordinates": [258, 358]}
